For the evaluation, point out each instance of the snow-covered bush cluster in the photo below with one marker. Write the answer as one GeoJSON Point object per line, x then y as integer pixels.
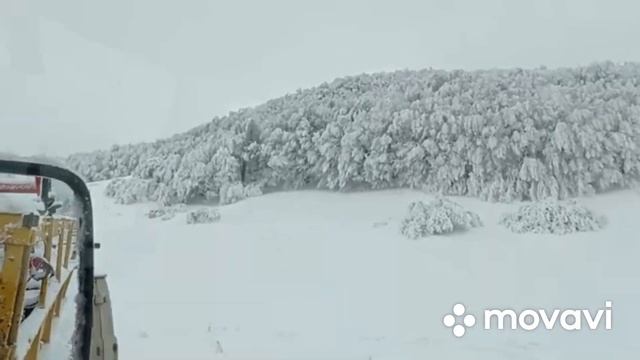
{"type": "Point", "coordinates": [166, 212]}
{"type": "Point", "coordinates": [439, 216]}
{"type": "Point", "coordinates": [156, 213]}
{"type": "Point", "coordinates": [203, 216]}
{"type": "Point", "coordinates": [231, 193]}
{"type": "Point", "coordinates": [499, 135]}
{"type": "Point", "coordinates": [552, 217]}
{"type": "Point", "coordinates": [131, 190]}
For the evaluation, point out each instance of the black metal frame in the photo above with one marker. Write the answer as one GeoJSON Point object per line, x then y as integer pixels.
{"type": "Point", "coordinates": [82, 336]}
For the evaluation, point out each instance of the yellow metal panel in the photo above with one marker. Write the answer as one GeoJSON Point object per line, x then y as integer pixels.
{"type": "Point", "coordinates": [67, 248]}
{"type": "Point", "coordinates": [46, 328]}
{"type": "Point", "coordinates": [21, 289]}
{"type": "Point", "coordinates": [20, 236]}
{"type": "Point", "coordinates": [9, 218]}
{"type": "Point", "coordinates": [48, 242]}
{"type": "Point", "coordinates": [52, 310]}
{"type": "Point", "coordinates": [34, 351]}
{"type": "Point", "coordinates": [17, 247]}
{"type": "Point", "coordinates": [60, 248]}
{"type": "Point", "coordinates": [18, 244]}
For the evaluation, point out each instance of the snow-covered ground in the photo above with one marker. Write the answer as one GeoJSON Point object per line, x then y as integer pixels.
{"type": "Point", "coordinates": [320, 275]}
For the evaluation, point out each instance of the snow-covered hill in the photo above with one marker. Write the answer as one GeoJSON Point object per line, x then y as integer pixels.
{"type": "Point", "coordinates": [496, 134]}
{"type": "Point", "coordinates": [321, 275]}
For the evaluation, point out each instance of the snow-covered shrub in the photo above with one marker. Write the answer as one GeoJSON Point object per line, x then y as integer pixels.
{"type": "Point", "coordinates": [113, 187]}
{"type": "Point", "coordinates": [437, 217]}
{"type": "Point", "coordinates": [231, 193]}
{"type": "Point", "coordinates": [130, 190]}
{"type": "Point", "coordinates": [552, 217]}
{"type": "Point", "coordinates": [203, 216]}
{"type": "Point", "coordinates": [167, 212]}
{"type": "Point", "coordinates": [252, 190]}
{"type": "Point", "coordinates": [156, 213]}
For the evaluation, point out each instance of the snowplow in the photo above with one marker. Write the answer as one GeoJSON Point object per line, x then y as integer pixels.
{"type": "Point", "coordinates": [51, 304]}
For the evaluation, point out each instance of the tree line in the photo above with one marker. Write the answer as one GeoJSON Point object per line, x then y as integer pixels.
{"type": "Point", "coordinates": [501, 135]}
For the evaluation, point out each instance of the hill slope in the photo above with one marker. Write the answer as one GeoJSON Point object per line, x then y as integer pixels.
{"type": "Point", "coordinates": [497, 134]}
{"type": "Point", "coordinates": [320, 275]}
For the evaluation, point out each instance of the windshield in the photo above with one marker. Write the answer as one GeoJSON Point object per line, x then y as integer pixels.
{"type": "Point", "coordinates": [340, 180]}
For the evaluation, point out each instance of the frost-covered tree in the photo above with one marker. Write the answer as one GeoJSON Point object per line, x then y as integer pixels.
{"type": "Point", "coordinates": [226, 168]}
{"type": "Point", "coordinates": [500, 135]}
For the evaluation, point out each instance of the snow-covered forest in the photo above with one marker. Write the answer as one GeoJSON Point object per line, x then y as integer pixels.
{"type": "Point", "coordinates": [499, 135]}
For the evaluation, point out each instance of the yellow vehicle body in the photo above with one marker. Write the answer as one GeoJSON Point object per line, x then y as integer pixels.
{"type": "Point", "coordinates": [18, 237]}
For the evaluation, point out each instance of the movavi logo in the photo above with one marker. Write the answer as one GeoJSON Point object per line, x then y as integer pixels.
{"type": "Point", "coordinates": [530, 319]}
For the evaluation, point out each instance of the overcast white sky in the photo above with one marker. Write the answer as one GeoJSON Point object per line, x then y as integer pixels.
{"type": "Point", "coordinates": [80, 75]}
